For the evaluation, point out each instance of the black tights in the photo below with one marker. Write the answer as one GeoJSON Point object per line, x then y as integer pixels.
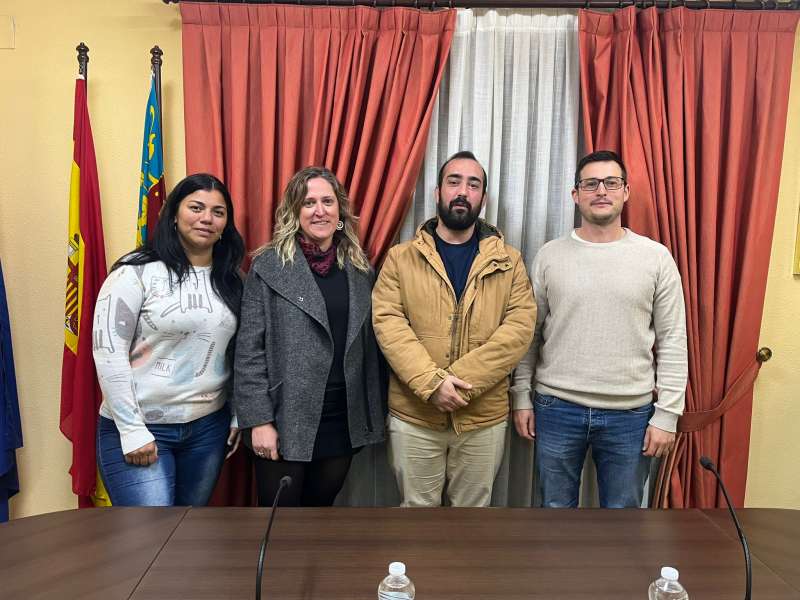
{"type": "Point", "coordinates": [314, 483]}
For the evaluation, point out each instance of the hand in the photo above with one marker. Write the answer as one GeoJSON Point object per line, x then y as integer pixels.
{"type": "Point", "coordinates": [234, 437]}
{"type": "Point", "coordinates": [446, 398]}
{"type": "Point", "coordinates": [265, 441]}
{"type": "Point", "coordinates": [144, 456]}
{"type": "Point", "coordinates": [524, 421]}
{"type": "Point", "coordinates": [657, 442]}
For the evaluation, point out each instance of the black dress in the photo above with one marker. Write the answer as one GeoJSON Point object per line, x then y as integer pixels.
{"type": "Point", "coordinates": [333, 436]}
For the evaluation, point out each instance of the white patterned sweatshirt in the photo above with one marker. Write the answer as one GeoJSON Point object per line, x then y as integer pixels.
{"type": "Point", "coordinates": [610, 327]}
{"type": "Point", "coordinates": [159, 349]}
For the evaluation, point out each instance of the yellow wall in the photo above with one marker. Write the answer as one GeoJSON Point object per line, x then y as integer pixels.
{"type": "Point", "coordinates": [775, 433]}
{"type": "Point", "coordinates": [37, 79]}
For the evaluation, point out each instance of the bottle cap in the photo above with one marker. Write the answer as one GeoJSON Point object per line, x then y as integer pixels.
{"type": "Point", "coordinates": [669, 573]}
{"type": "Point", "coordinates": [397, 568]}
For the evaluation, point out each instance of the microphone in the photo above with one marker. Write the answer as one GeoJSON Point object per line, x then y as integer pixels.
{"type": "Point", "coordinates": [706, 463]}
{"type": "Point", "coordinates": [286, 482]}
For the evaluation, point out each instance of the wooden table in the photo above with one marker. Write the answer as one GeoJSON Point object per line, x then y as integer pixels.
{"type": "Point", "coordinates": [450, 553]}
{"type": "Point", "coordinates": [774, 535]}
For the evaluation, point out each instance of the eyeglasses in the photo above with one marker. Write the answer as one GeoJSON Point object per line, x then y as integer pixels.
{"type": "Point", "coordinates": [592, 183]}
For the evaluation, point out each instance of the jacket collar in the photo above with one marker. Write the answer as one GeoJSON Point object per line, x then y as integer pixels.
{"type": "Point", "coordinates": [484, 229]}
{"type": "Point", "coordinates": [491, 245]}
{"type": "Point", "coordinates": [359, 285]}
{"type": "Point", "coordinates": [491, 249]}
{"type": "Point", "coordinates": [295, 282]}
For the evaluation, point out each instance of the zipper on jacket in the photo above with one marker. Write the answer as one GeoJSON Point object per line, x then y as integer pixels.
{"type": "Point", "coordinates": [454, 322]}
{"type": "Point", "coordinates": [457, 316]}
{"type": "Point", "coordinates": [454, 354]}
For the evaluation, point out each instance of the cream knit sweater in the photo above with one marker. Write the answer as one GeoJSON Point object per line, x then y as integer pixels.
{"type": "Point", "coordinates": [610, 329]}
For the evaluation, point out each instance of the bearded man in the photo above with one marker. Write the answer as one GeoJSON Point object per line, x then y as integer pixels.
{"type": "Point", "coordinates": [453, 313]}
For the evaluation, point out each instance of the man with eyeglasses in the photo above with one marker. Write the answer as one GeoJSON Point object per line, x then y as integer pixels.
{"type": "Point", "coordinates": [608, 363]}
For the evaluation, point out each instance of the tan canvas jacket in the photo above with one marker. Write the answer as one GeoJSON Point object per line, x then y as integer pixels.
{"type": "Point", "coordinates": [426, 334]}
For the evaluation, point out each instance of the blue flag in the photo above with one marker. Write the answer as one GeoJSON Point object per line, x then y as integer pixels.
{"type": "Point", "coordinates": [151, 178]}
{"type": "Point", "coordinates": [10, 426]}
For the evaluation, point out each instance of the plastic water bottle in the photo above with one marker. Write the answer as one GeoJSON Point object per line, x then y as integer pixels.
{"type": "Point", "coordinates": [396, 586]}
{"type": "Point", "coordinates": [667, 587]}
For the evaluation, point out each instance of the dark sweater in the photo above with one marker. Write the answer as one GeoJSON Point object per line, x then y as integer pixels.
{"type": "Point", "coordinates": [457, 259]}
{"type": "Point", "coordinates": [336, 293]}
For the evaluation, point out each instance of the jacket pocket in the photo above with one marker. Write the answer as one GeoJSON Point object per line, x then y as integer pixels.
{"type": "Point", "coordinates": [438, 348]}
{"type": "Point", "coordinates": [475, 343]}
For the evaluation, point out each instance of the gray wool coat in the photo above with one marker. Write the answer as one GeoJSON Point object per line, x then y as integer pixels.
{"type": "Point", "coordinates": [284, 352]}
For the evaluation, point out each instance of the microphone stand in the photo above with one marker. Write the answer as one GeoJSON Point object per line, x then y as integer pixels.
{"type": "Point", "coordinates": [708, 465]}
{"type": "Point", "coordinates": [286, 481]}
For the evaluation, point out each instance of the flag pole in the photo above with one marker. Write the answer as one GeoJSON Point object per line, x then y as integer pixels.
{"type": "Point", "coordinates": [155, 62]}
{"type": "Point", "coordinates": [83, 59]}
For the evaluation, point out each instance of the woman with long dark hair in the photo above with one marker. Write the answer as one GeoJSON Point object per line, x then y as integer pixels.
{"type": "Point", "coordinates": [165, 318]}
{"type": "Point", "coordinates": [309, 390]}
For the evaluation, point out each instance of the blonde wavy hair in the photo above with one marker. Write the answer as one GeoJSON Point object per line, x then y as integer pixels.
{"type": "Point", "coordinates": [287, 221]}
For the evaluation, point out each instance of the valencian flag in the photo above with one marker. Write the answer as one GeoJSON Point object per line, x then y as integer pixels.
{"type": "Point", "coordinates": [10, 427]}
{"type": "Point", "coordinates": [151, 178]}
{"type": "Point", "coordinates": [86, 271]}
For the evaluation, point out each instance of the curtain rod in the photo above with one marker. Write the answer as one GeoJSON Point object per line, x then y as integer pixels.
{"type": "Point", "coordinates": [433, 4]}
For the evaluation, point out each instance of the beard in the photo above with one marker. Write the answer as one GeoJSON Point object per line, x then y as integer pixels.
{"type": "Point", "coordinates": [458, 220]}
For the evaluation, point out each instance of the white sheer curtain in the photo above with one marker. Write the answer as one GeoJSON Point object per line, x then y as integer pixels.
{"type": "Point", "coordinates": [510, 95]}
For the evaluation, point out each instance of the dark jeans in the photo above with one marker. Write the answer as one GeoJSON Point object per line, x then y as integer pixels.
{"type": "Point", "coordinates": [565, 430]}
{"type": "Point", "coordinates": [190, 457]}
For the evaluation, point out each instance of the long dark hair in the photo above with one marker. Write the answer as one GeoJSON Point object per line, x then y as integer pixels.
{"type": "Point", "coordinates": [165, 244]}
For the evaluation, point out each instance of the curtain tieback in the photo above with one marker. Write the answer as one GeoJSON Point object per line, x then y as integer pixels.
{"type": "Point", "coordinates": [695, 421]}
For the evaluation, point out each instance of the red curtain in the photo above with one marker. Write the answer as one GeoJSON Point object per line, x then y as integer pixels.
{"type": "Point", "coordinates": [269, 89]}
{"type": "Point", "coordinates": [695, 102]}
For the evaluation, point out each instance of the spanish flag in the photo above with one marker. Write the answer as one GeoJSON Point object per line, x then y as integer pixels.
{"type": "Point", "coordinates": [151, 177]}
{"type": "Point", "coordinates": [86, 271]}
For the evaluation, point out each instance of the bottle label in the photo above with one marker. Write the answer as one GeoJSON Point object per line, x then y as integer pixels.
{"type": "Point", "coordinates": [394, 596]}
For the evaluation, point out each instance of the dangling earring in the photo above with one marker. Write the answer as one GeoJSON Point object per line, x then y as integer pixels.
{"type": "Point", "coordinates": [340, 225]}
{"type": "Point", "coordinates": [175, 225]}
{"type": "Point", "coordinates": [219, 239]}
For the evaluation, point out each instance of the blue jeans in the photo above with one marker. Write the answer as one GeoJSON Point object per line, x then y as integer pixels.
{"type": "Point", "coordinates": [565, 430]}
{"type": "Point", "coordinates": [190, 457]}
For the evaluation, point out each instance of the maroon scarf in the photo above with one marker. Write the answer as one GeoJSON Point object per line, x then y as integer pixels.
{"type": "Point", "coordinates": [319, 261]}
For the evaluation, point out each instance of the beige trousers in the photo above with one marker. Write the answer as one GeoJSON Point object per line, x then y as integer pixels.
{"type": "Point", "coordinates": [423, 459]}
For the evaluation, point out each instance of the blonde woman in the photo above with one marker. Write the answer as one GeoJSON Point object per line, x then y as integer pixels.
{"type": "Point", "coordinates": [309, 389]}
